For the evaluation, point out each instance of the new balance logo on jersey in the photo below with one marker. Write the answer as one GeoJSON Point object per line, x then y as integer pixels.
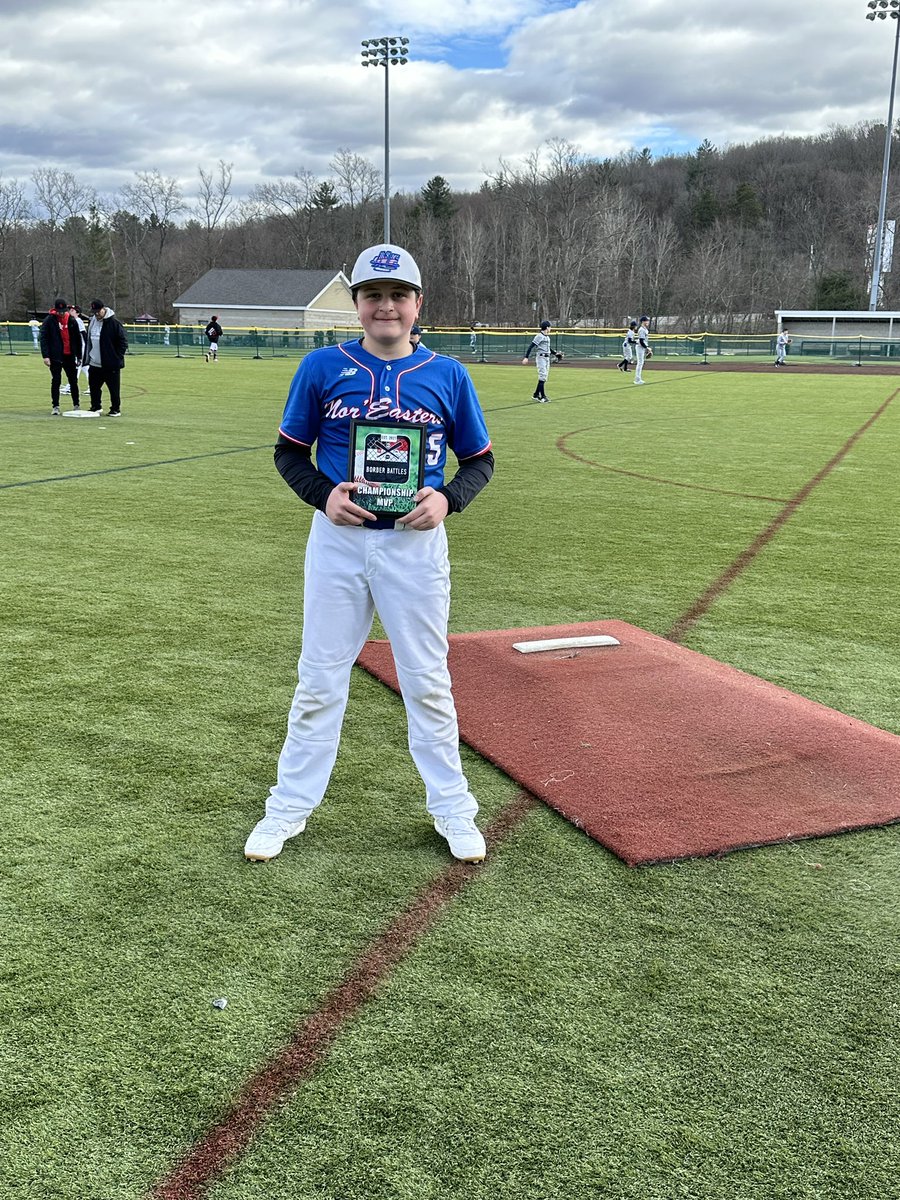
{"type": "Point", "coordinates": [385, 260]}
{"type": "Point", "coordinates": [348, 371]}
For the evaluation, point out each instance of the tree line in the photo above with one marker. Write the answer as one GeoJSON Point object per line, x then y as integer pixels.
{"type": "Point", "coordinates": [715, 239]}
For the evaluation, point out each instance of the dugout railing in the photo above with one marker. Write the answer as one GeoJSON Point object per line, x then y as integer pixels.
{"type": "Point", "coordinates": [482, 345]}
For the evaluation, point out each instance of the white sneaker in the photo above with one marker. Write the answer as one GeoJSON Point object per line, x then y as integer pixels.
{"type": "Point", "coordinates": [66, 391]}
{"type": "Point", "coordinates": [463, 837]}
{"type": "Point", "coordinates": [268, 838]}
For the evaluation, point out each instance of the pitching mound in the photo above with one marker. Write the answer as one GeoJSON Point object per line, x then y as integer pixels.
{"type": "Point", "coordinates": [658, 752]}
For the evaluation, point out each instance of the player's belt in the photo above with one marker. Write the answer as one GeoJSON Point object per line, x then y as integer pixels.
{"type": "Point", "coordinates": [542, 354]}
{"type": "Point", "coordinates": [378, 523]}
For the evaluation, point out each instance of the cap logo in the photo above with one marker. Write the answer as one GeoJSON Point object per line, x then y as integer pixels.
{"type": "Point", "coordinates": [386, 261]}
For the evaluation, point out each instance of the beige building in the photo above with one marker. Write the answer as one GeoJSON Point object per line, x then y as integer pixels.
{"type": "Point", "coordinates": [838, 323]}
{"type": "Point", "coordinates": [258, 299]}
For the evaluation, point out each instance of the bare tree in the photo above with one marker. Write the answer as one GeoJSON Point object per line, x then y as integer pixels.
{"type": "Point", "coordinates": [658, 251]}
{"type": "Point", "coordinates": [471, 236]}
{"type": "Point", "coordinates": [61, 196]}
{"type": "Point", "coordinates": [290, 203]}
{"type": "Point", "coordinates": [358, 182]}
{"type": "Point", "coordinates": [214, 208]}
{"type": "Point", "coordinates": [154, 201]}
{"type": "Point", "coordinates": [14, 213]}
{"type": "Point", "coordinates": [709, 280]}
{"type": "Point", "coordinates": [615, 247]}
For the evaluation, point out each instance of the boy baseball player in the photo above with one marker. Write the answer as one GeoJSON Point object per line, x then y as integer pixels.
{"type": "Point", "coordinates": [213, 332]}
{"type": "Point", "coordinates": [627, 359]}
{"type": "Point", "coordinates": [357, 562]}
{"type": "Point", "coordinates": [781, 348]}
{"type": "Point", "coordinates": [643, 348]}
{"type": "Point", "coordinates": [540, 345]}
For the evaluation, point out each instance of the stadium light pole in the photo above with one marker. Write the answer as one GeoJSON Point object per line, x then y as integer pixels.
{"type": "Point", "coordinates": [882, 9]}
{"type": "Point", "coordinates": [388, 52]}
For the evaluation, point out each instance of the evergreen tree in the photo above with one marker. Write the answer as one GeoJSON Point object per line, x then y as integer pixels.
{"type": "Point", "coordinates": [745, 206]}
{"type": "Point", "coordinates": [437, 198]}
{"type": "Point", "coordinates": [324, 198]}
{"type": "Point", "coordinates": [836, 290]}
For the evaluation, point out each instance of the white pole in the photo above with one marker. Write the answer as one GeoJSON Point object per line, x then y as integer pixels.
{"type": "Point", "coordinates": [387, 155]}
{"type": "Point", "coordinates": [882, 204]}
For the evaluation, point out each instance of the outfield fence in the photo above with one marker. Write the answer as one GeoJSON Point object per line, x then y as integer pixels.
{"type": "Point", "coordinates": [483, 345]}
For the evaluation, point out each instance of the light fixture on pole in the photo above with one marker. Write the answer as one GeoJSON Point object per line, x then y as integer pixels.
{"type": "Point", "coordinates": [882, 9]}
{"type": "Point", "coordinates": [389, 52]}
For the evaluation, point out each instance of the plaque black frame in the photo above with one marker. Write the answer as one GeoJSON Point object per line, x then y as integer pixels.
{"type": "Point", "coordinates": [403, 487]}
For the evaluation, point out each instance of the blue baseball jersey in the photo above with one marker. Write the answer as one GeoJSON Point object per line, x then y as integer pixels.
{"type": "Point", "coordinates": [338, 384]}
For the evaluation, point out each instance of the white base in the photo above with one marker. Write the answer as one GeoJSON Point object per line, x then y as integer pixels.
{"type": "Point", "coordinates": [572, 643]}
{"type": "Point", "coordinates": [80, 412]}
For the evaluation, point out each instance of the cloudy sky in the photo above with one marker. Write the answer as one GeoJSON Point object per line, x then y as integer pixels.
{"type": "Point", "coordinates": [111, 87]}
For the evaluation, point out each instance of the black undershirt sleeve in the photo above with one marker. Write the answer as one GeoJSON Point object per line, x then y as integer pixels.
{"type": "Point", "coordinates": [472, 476]}
{"type": "Point", "coordinates": [295, 465]}
{"type": "Point", "coordinates": [297, 469]}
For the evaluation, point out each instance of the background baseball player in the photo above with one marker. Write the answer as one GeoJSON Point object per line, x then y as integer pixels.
{"type": "Point", "coordinates": [781, 348]}
{"type": "Point", "coordinates": [540, 347]}
{"type": "Point", "coordinates": [357, 563]}
{"type": "Point", "coordinates": [628, 347]}
{"type": "Point", "coordinates": [213, 332]}
{"type": "Point", "coordinates": [643, 347]}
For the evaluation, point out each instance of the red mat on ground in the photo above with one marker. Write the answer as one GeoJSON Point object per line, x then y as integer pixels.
{"type": "Point", "coordinates": [658, 752]}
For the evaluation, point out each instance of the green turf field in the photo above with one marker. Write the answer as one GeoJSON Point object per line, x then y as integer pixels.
{"type": "Point", "coordinates": [572, 1028]}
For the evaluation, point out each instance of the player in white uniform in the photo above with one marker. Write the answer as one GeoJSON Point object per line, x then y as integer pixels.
{"type": "Point", "coordinates": [781, 345]}
{"type": "Point", "coordinates": [643, 347]}
{"type": "Point", "coordinates": [627, 359]}
{"type": "Point", "coordinates": [540, 346]}
{"type": "Point", "coordinates": [83, 364]}
{"type": "Point", "coordinates": [357, 563]}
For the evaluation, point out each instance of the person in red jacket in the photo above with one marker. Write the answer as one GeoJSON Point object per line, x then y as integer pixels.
{"type": "Point", "coordinates": [61, 348]}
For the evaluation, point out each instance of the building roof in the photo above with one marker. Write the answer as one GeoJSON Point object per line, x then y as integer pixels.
{"type": "Point", "coordinates": [221, 288]}
{"type": "Point", "coordinates": [855, 313]}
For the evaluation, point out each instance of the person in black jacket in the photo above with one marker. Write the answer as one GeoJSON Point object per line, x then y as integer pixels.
{"type": "Point", "coordinates": [107, 343]}
{"type": "Point", "coordinates": [61, 351]}
{"type": "Point", "coordinates": [213, 332]}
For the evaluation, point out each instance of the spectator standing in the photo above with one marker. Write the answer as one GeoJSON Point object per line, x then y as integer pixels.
{"type": "Point", "coordinates": [107, 344]}
{"type": "Point", "coordinates": [61, 351]}
{"type": "Point", "coordinates": [75, 311]}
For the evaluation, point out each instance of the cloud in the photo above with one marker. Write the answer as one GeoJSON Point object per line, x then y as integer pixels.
{"type": "Point", "coordinates": [278, 86]}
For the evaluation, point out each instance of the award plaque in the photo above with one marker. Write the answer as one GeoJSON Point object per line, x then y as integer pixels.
{"type": "Point", "coordinates": [387, 463]}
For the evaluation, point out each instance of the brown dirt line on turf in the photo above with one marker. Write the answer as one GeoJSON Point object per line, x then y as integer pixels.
{"type": "Point", "coordinates": [305, 1052]}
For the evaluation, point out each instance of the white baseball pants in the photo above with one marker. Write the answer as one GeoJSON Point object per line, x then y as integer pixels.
{"type": "Point", "coordinates": [641, 355]}
{"type": "Point", "coordinates": [351, 572]}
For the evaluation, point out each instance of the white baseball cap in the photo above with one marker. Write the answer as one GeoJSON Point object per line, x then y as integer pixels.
{"type": "Point", "coordinates": [386, 262]}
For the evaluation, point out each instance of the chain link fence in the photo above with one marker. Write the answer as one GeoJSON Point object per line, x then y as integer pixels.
{"type": "Point", "coordinates": [480, 345]}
